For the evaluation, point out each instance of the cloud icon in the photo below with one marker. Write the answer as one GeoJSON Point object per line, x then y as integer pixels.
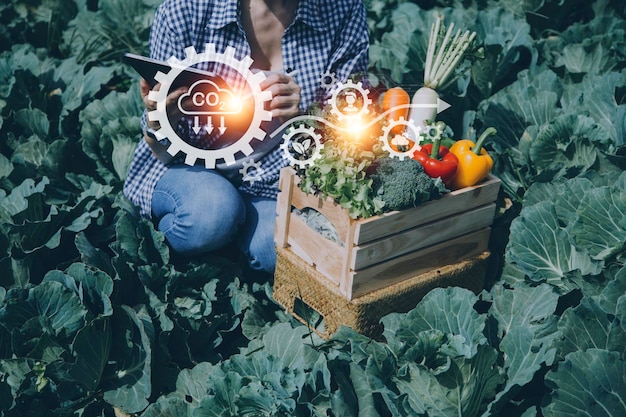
{"type": "Point", "coordinates": [205, 97]}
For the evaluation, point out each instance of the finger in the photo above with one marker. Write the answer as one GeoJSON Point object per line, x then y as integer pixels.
{"type": "Point", "coordinates": [144, 87]}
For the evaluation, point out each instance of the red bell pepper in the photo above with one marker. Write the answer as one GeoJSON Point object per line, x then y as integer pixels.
{"type": "Point", "coordinates": [437, 161]}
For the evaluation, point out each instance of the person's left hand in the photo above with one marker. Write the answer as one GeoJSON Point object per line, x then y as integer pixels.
{"type": "Point", "coordinates": [285, 95]}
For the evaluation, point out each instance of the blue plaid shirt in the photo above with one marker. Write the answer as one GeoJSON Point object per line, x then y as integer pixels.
{"type": "Point", "coordinates": [325, 37]}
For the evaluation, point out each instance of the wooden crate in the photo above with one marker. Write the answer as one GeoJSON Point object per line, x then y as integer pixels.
{"type": "Point", "coordinates": [382, 250]}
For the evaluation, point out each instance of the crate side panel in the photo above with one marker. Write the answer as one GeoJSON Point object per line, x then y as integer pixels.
{"type": "Point", "coordinates": [452, 203]}
{"type": "Point", "coordinates": [327, 256]}
{"type": "Point", "coordinates": [422, 236]}
{"type": "Point", "coordinates": [421, 261]}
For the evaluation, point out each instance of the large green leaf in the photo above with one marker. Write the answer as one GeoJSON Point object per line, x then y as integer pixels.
{"type": "Point", "coordinates": [527, 329]}
{"type": "Point", "coordinates": [94, 287]}
{"type": "Point", "coordinates": [532, 308]}
{"type": "Point", "coordinates": [110, 131]}
{"type": "Point", "coordinates": [506, 39]}
{"type": "Point", "coordinates": [290, 344]}
{"type": "Point", "coordinates": [567, 147]}
{"type": "Point", "coordinates": [616, 288]}
{"type": "Point", "coordinates": [17, 201]}
{"type": "Point", "coordinates": [587, 383]}
{"type": "Point", "coordinates": [449, 310]}
{"type": "Point", "coordinates": [168, 407]}
{"type": "Point", "coordinates": [221, 401]}
{"type": "Point", "coordinates": [33, 122]}
{"type": "Point", "coordinates": [587, 326]}
{"type": "Point", "coordinates": [601, 226]}
{"type": "Point", "coordinates": [91, 350]}
{"type": "Point", "coordinates": [463, 390]}
{"type": "Point", "coordinates": [194, 383]}
{"type": "Point", "coordinates": [566, 196]}
{"type": "Point", "coordinates": [595, 96]}
{"type": "Point", "coordinates": [541, 247]}
{"type": "Point", "coordinates": [61, 308]}
{"type": "Point", "coordinates": [511, 116]}
{"type": "Point", "coordinates": [127, 377]}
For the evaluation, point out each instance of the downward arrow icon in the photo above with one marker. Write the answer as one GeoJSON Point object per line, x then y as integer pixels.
{"type": "Point", "coordinates": [196, 125]}
{"type": "Point", "coordinates": [222, 128]}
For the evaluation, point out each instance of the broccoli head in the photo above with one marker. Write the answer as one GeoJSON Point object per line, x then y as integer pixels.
{"type": "Point", "coordinates": [403, 183]}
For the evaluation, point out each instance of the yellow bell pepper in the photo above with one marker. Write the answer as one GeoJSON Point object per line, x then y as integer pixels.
{"type": "Point", "coordinates": [474, 161]}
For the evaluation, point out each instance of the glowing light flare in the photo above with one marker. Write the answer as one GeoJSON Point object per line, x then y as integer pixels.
{"type": "Point", "coordinates": [355, 127]}
{"type": "Point", "coordinates": [234, 103]}
{"type": "Point", "coordinates": [359, 130]}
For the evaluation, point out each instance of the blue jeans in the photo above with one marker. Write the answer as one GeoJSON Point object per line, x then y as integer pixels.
{"type": "Point", "coordinates": [198, 211]}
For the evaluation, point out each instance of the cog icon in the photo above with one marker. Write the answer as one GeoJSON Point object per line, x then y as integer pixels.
{"type": "Point", "coordinates": [292, 138]}
{"type": "Point", "coordinates": [399, 139]}
{"type": "Point", "coordinates": [257, 171]}
{"type": "Point", "coordinates": [227, 153]}
{"type": "Point", "coordinates": [434, 130]}
{"type": "Point", "coordinates": [328, 80]}
{"type": "Point", "coordinates": [349, 89]}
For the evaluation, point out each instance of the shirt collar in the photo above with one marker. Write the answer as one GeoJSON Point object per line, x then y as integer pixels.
{"type": "Point", "coordinates": [227, 11]}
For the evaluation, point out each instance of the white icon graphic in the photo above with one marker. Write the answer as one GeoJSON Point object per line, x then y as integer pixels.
{"type": "Point", "coordinates": [400, 141]}
{"type": "Point", "coordinates": [328, 80]}
{"type": "Point", "coordinates": [301, 139]}
{"type": "Point", "coordinates": [349, 90]}
{"type": "Point", "coordinates": [211, 156]}
{"type": "Point", "coordinates": [251, 171]}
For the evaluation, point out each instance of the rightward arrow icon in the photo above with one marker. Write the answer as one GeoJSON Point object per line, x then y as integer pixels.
{"type": "Point", "coordinates": [222, 128]}
{"type": "Point", "coordinates": [441, 105]}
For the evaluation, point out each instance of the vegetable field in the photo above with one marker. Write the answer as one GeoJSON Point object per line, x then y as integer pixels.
{"type": "Point", "coordinates": [99, 318]}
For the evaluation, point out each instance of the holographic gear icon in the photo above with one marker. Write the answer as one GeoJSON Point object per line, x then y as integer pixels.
{"type": "Point", "coordinates": [256, 174]}
{"type": "Point", "coordinates": [210, 156]}
{"type": "Point", "coordinates": [288, 139]}
{"type": "Point", "coordinates": [384, 138]}
{"type": "Point", "coordinates": [350, 85]}
{"type": "Point", "coordinates": [328, 80]}
{"type": "Point", "coordinates": [434, 130]}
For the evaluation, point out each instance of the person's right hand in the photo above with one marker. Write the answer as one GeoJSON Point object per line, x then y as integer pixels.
{"type": "Point", "coordinates": [171, 103]}
{"type": "Point", "coordinates": [174, 114]}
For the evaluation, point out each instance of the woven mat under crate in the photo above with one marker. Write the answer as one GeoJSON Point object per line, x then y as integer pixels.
{"type": "Point", "coordinates": [295, 281]}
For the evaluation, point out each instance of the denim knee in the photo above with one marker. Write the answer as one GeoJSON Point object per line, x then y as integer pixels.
{"type": "Point", "coordinates": [197, 209]}
{"type": "Point", "coordinates": [256, 238]}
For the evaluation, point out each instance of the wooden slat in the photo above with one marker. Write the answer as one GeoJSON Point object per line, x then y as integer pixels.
{"type": "Point", "coordinates": [331, 210]}
{"type": "Point", "coordinates": [454, 202]}
{"type": "Point", "coordinates": [415, 263]}
{"type": "Point", "coordinates": [326, 255]}
{"type": "Point", "coordinates": [283, 208]}
{"type": "Point", "coordinates": [422, 236]}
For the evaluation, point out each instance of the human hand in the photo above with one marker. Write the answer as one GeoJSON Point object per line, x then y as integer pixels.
{"type": "Point", "coordinates": [285, 95]}
{"type": "Point", "coordinates": [171, 103]}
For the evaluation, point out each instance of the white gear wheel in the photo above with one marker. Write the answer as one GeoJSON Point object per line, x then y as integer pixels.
{"type": "Point", "coordinates": [245, 171]}
{"type": "Point", "coordinates": [345, 86]}
{"type": "Point", "coordinates": [309, 131]}
{"type": "Point", "coordinates": [328, 80]}
{"type": "Point", "coordinates": [384, 138]}
{"type": "Point", "coordinates": [437, 127]}
{"type": "Point", "coordinates": [210, 156]}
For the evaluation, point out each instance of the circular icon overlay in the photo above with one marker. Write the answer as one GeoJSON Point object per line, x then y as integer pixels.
{"type": "Point", "coordinates": [231, 118]}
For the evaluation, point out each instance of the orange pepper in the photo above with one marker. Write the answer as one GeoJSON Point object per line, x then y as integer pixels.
{"type": "Point", "coordinates": [474, 161]}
